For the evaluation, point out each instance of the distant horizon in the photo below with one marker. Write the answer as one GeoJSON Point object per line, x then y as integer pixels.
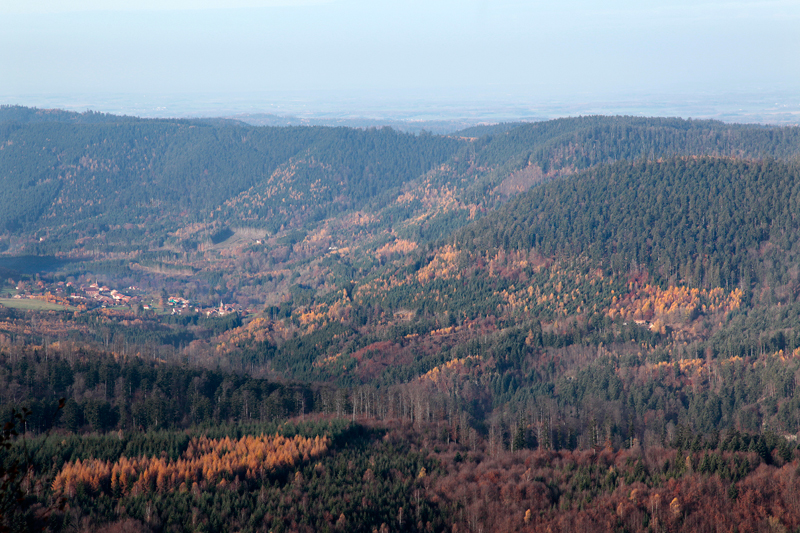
{"type": "Point", "coordinates": [776, 108]}
{"type": "Point", "coordinates": [408, 60]}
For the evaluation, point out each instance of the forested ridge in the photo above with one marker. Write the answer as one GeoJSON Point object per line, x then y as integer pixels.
{"type": "Point", "coordinates": [55, 173]}
{"type": "Point", "coordinates": [581, 324]}
{"type": "Point", "coordinates": [587, 141]}
{"type": "Point", "coordinates": [706, 222]}
{"type": "Point", "coordinates": [92, 170]}
{"type": "Point", "coordinates": [29, 115]}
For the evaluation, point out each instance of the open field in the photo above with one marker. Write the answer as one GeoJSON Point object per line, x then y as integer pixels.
{"type": "Point", "coordinates": [240, 237]}
{"type": "Point", "coordinates": [32, 305]}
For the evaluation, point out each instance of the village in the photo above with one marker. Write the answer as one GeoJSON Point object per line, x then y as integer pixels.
{"type": "Point", "coordinates": [98, 296]}
{"type": "Point", "coordinates": [181, 306]}
{"type": "Point", "coordinates": [70, 294]}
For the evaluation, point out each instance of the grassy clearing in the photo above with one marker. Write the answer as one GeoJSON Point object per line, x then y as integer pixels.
{"type": "Point", "coordinates": [241, 237]}
{"type": "Point", "coordinates": [32, 305]}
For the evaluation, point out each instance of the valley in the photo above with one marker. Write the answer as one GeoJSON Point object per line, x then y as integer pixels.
{"type": "Point", "coordinates": [584, 323]}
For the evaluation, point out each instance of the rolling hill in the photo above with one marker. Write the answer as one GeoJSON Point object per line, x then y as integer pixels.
{"type": "Point", "coordinates": [586, 323]}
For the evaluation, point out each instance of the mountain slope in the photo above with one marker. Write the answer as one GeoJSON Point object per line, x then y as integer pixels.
{"type": "Point", "coordinates": [703, 221]}
{"type": "Point", "coordinates": [55, 173]}
{"type": "Point", "coordinates": [590, 323]}
{"type": "Point", "coordinates": [586, 141]}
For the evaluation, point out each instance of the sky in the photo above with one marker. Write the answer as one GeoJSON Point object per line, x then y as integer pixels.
{"type": "Point", "coordinates": [374, 50]}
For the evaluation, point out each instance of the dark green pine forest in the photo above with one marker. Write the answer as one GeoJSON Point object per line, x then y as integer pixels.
{"type": "Point", "coordinates": [586, 323]}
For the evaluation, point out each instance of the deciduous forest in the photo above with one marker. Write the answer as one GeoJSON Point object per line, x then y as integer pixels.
{"type": "Point", "coordinates": [584, 324]}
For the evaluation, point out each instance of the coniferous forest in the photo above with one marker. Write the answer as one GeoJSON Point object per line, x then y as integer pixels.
{"type": "Point", "coordinates": [584, 324]}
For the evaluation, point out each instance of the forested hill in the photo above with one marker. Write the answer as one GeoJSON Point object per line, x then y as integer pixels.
{"type": "Point", "coordinates": [56, 173]}
{"type": "Point", "coordinates": [587, 141]}
{"type": "Point", "coordinates": [68, 176]}
{"type": "Point", "coordinates": [581, 324]}
{"type": "Point", "coordinates": [29, 115]}
{"type": "Point", "coordinates": [483, 130]}
{"type": "Point", "coordinates": [704, 221]}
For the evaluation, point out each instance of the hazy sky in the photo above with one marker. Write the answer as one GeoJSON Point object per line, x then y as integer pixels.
{"type": "Point", "coordinates": [437, 48]}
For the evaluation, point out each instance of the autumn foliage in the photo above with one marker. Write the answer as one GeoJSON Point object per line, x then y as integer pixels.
{"type": "Point", "coordinates": [206, 461]}
{"type": "Point", "coordinates": [673, 304]}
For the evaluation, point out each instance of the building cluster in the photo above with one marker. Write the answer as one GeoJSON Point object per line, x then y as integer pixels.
{"type": "Point", "coordinates": [181, 306]}
{"type": "Point", "coordinates": [68, 293]}
{"type": "Point", "coordinates": [104, 296]}
{"type": "Point", "coordinates": [100, 296]}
